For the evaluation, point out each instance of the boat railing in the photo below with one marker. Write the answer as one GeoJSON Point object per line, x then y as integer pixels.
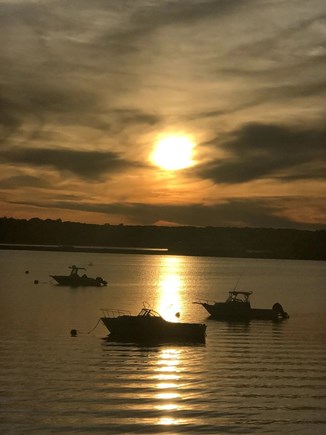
{"type": "Point", "coordinates": [204, 301]}
{"type": "Point", "coordinates": [114, 313]}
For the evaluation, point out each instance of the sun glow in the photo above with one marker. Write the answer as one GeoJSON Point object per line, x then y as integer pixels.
{"type": "Point", "coordinates": [173, 152]}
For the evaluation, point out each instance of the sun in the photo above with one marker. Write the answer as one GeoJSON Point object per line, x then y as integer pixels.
{"type": "Point", "coordinates": [173, 152]}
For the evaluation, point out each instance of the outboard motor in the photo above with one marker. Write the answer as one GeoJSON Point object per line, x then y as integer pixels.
{"type": "Point", "coordinates": [280, 313]}
{"type": "Point", "coordinates": [100, 281]}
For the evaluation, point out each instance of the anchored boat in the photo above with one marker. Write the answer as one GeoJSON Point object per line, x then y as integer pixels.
{"type": "Point", "coordinates": [237, 307]}
{"type": "Point", "coordinates": [150, 326]}
{"type": "Point", "coordinates": [76, 280]}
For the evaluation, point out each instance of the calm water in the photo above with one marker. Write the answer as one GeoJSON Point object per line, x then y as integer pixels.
{"type": "Point", "coordinates": [257, 378]}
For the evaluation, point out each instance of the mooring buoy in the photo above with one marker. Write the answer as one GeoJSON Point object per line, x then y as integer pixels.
{"type": "Point", "coordinates": [73, 332]}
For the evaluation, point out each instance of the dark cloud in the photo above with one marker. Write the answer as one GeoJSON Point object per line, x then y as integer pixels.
{"type": "Point", "coordinates": [39, 106]}
{"type": "Point", "coordinates": [274, 47]}
{"type": "Point", "coordinates": [184, 12]}
{"type": "Point", "coordinates": [129, 116]}
{"type": "Point", "coordinates": [90, 165]}
{"type": "Point", "coordinates": [19, 181]}
{"type": "Point", "coordinates": [54, 75]}
{"type": "Point", "coordinates": [9, 119]}
{"type": "Point", "coordinates": [258, 212]}
{"type": "Point", "coordinates": [281, 92]}
{"type": "Point", "coordinates": [75, 106]}
{"type": "Point", "coordinates": [259, 151]}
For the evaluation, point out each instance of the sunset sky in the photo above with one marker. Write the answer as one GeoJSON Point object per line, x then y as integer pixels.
{"type": "Point", "coordinates": [233, 92]}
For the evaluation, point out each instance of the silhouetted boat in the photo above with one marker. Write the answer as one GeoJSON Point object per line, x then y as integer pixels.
{"type": "Point", "coordinates": [75, 280]}
{"type": "Point", "coordinates": [149, 326]}
{"type": "Point", "coordinates": [237, 307]}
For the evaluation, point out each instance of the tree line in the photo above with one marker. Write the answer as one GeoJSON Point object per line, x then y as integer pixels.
{"type": "Point", "coordinates": [207, 241]}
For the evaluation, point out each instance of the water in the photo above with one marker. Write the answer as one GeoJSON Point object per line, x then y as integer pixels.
{"type": "Point", "coordinates": [257, 378]}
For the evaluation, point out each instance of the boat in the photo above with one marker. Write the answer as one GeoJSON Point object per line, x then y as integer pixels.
{"type": "Point", "coordinates": [237, 307]}
{"type": "Point", "coordinates": [76, 280]}
{"type": "Point", "coordinates": [149, 326]}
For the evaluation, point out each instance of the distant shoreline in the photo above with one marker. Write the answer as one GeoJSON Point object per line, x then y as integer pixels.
{"type": "Point", "coordinates": [95, 249]}
{"type": "Point", "coordinates": [265, 255]}
{"type": "Point", "coordinates": [266, 243]}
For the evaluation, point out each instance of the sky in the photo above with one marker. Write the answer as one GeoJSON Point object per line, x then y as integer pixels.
{"type": "Point", "coordinates": [89, 88]}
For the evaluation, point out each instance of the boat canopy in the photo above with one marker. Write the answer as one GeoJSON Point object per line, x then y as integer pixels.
{"type": "Point", "coordinates": [237, 296]}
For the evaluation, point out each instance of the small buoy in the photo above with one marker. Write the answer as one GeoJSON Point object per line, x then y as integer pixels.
{"type": "Point", "coordinates": [73, 332]}
{"type": "Point", "coordinates": [36, 281]}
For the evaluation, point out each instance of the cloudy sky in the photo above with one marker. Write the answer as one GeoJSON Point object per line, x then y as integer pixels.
{"type": "Point", "coordinates": [88, 88]}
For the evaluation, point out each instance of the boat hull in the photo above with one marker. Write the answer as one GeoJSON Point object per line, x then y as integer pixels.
{"type": "Point", "coordinates": [242, 312]}
{"type": "Point", "coordinates": [153, 329]}
{"type": "Point", "coordinates": [222, 311]}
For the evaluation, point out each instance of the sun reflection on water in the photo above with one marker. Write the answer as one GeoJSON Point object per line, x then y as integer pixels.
{"type": "Point", "coordinates": [171, 285]}
{"type": "Point", "coordinates": [168, 368]}
{"type": "Point", "coordinates": [167, 376]}
{"type": "Point", "coordinates": [167, 407]}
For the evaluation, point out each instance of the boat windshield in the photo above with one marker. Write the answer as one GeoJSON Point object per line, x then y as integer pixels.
{"type": "Point", "coordinates": [146, 312]}
{"type": "Point", "coordinates": [235, 296]}
{"type": "Point", "coordinates": [74, 270]}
